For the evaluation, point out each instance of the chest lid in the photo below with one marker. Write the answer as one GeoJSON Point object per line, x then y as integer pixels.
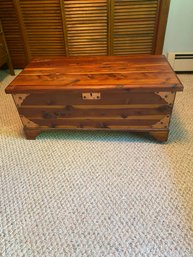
{"type": "Point", "coordinates": [60, 74]}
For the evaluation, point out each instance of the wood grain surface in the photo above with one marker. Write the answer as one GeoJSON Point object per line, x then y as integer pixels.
{"type": "Point", "coordinates": [133, 73]}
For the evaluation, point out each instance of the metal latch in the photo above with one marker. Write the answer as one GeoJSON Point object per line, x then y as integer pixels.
{"type": "Point", "coordinates": [91, 96]}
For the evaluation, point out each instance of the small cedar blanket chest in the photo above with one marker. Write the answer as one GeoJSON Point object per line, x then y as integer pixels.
{"type": "Point", "coordinates": [132, 93]}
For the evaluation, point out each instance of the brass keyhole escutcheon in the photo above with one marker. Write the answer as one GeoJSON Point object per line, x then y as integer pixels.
{"type": "Point", "coordinates": [91, 96]}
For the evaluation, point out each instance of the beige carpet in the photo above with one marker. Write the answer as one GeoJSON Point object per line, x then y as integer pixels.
{"type": "Point", "coordinates": [99, 194]}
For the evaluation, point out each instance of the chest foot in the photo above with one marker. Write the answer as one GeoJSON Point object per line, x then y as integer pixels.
{"type": "Point", "coordinates": [161, 136]}
{"type": "Point", "coordinates": [31, 134]}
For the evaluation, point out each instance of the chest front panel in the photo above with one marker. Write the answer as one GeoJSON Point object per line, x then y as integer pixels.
{"type": "Point", "coordinates": [114, 110]}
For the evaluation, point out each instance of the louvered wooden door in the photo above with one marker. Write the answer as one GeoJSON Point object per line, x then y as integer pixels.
{"type": "Point", "coordinates": [114, 27]}
{"type": "Point", "coordinates": [83, 27]}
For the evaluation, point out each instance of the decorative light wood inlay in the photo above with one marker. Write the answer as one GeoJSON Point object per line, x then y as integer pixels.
{"type": "Point", "coordinates": [19, 98]}
{"type": "Point", "coordinates": [28, 123]}
{"type": "Point", "coordinates": [163, 123]}
{"type": "Point", "coordinates": [169, 97]}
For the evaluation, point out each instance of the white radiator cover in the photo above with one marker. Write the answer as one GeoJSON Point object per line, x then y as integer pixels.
{"type": "Point", "coordinates": [181, 61]}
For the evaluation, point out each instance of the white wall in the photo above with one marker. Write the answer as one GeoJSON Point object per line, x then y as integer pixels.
{"type": "Point", "coordinates": [179, 32]}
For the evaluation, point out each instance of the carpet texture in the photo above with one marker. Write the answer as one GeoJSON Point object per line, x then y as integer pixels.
{"type": "Point", "coordinates": [101, 194]}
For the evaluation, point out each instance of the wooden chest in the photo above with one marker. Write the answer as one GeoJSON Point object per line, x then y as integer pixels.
{"type": "Point", "coordinates": [133, 93]}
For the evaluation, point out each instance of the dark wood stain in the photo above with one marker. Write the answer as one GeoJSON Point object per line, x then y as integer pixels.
{"type": "Point", "coordinates": [68, 99]}
{"type": "Point", "coordinates": [92, 122]}
{"type": "Point", "coordinates": [93, 112]}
